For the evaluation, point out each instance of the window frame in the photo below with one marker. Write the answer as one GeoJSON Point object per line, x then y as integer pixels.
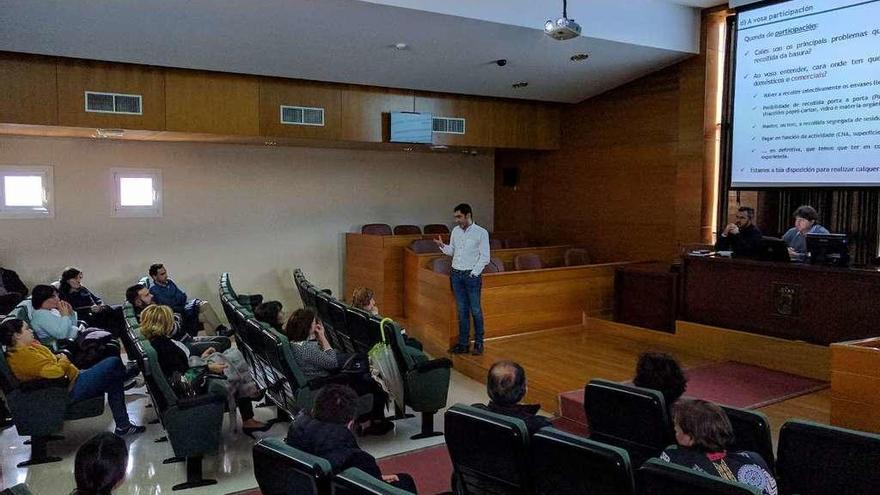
{"type": "Point", "coordinates": [118, 210]}
{"type": "Point", "coordinates": [48, 208]}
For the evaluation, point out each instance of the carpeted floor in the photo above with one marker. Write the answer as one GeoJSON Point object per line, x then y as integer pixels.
{"type": "Point", "coordinates": [430, 467]}
{"type": "Point", "coordinates": [729, 383]}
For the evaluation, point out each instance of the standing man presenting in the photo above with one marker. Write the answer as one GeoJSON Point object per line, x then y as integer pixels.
{"type": "Point", "coordinates": [469, 248]}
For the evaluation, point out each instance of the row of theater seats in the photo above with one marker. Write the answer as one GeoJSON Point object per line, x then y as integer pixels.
{"type": "Point", "coordinates": [351, 330]}
{"type": "Point", "coordinates": [192, 424]}
{"type": "Point", "coordinates": [812, 458]}
{"type": "Point", "coordinates": [385, 229]}
{"type": "Point", "coordinates": [284, 470]}
{"type": "Point", "coordinates": [494, 454]}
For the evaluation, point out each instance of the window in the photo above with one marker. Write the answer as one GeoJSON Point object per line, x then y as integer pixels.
{"type": "Point", "coordinates": [137, 193]}
{"type": "Point", "coordinates": [26, 192]}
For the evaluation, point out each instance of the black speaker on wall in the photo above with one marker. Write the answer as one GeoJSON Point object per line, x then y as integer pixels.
{"type": "Point", "coordinates": [510, 176]}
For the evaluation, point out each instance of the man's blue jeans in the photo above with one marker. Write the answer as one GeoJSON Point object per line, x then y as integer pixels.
{"type": "Point", "coordinates": [467, 298]}
{"type": "Point", "coordinates": [104, 378]}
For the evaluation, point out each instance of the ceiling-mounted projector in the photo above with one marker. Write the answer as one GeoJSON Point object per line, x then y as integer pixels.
{"type": "Point", "coordinates": [563, 28]}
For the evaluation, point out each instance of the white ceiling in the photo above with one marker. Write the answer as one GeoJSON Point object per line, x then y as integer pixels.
{"type": "Point", "coordinates": [452, 43]}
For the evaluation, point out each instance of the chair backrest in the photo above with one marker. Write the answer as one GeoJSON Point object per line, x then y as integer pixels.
{"type": "Point", "coordinates": [311, 295]}
{"type": "Point", "coordinates": [353, 481]}
{"type": "Point", "coordinates": [146, 281]}
{"type": "Point", "coordinates": [407, 230]}
{"type": "Point", "coordinates": [442, 265]}
{"type": "Point", "coordinates": [814, 458]}
{"type": "Point", "coordinates": [576, 257]}
{"type": "Point", "coordinates": [565, 464]}
{"type": "Point", "coordinates": [657, 477]}
{"type": "Point", "coordinates": [376, 229]}
{"type": "Point", "coordinates": [22, 311]}
{"type": "Point", "coordinates": [529, 261]}
{"type": "Point", "coordinates": [436, 228]}
{"type": "Point", "coordinates": [751, 431]}
{"type": "Point", "coordinates": [495, 244]}
{"type": "Point", "coordinates": [283, 470]}
{"type": "Point", "coordinates": [495, 266]}
{"type": "Point", "coordinates": [423, 246]}
{"type": "Point", "coordinates": [500, 464]}
{"type": "Point", "coordinates": [362, 332]}
{"type": "Point", "coordinates": [632, 418]}
{"type": "Point", "coordinates": [157, 385]}
{"type": "Point", "coordinates": [8, 381]}
{"type": "Point", "coordinates": [323, 304]}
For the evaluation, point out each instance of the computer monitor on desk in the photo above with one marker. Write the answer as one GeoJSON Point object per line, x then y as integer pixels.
{"type": "Point", "coordinates": [828, 249]}
{"type": "Point", "coordinates": [772, 249]}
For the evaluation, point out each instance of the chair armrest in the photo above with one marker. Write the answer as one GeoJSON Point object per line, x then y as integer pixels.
{"type": "Point", "coordinates": [433, 364]}
{"type": "Point", "coordinates": [43, 383]}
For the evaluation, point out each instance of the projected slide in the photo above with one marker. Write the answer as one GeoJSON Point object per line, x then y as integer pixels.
{"type": "Point", "coordinates": [806, 101]}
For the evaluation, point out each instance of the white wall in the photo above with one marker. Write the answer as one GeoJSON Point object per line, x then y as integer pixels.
{"type": "Point", "coordinates": [257, 212]}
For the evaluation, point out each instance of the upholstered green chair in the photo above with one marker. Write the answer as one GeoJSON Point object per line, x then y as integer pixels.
{"type": "Point", "coordinates": [19, 489]}
{"type": "Point", "coordinates": [566, 464]}
{"type": "Point", "coordinates": [39, 409]}
{"type": "Point", "coordinates": [283, 470]}
{"type": "Point", "coordinates": [193, 424]}
{"type": "Point", "coordinates": [353, 481]}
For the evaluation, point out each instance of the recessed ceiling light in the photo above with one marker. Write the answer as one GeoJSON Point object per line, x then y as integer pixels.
{"type": "Point", "coordinates": [270, 142]}
{"type": "Point", "coordinates": [520, 84]}
{"type": "Point", "coordinates": [401, 46]}
{"type": "Point", "coordinates": [109, 133]}
{"type": "Point", "coordinates": [579, 57]}
{"type": "Point", "coordinates": [439, 147]}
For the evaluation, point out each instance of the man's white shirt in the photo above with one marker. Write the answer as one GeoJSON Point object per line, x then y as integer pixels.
{"type": "Point", "coordinates": [469, 248]}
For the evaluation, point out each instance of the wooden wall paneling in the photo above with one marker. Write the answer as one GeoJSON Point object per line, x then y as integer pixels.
{"type": "Point", "coordinates": [75, 77]}
{"type": "Point", "coordinates": [29, 92]}
{"type": "Point", "coordinates": [365, 111]}
{"type": "Point", "coordinates": [212, 102]}
{"type": "Point", "coordinates": [476, 112]}
{"type": "Point", "coordinates": [855, 384]}
{"type": "Point", "coordinates": [364, 266]}
{"type": "Point", "coordinates": [513, 302]}
{"type": "Point", "coordinates": [275, 92]}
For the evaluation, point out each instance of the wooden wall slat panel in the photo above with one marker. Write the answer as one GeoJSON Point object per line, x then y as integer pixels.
{"type": "Point", "coordinates": [212, 102]}
{"type": "Point", "coordinates": [29, 92]}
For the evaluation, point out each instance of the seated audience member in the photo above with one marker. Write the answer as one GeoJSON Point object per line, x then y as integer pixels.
{"type": "Point", "coordinates": [326, 433]}
{"type": "Point", "coordinates": [742, 236]}
{"type": "Point", "coordinates": [157, 323]}
{"type": "Point", "coordinates": [364, 298]}
{"type": "Point", "coordinates": [53, 319]}
{"type": "Point", "coordinates": [703, 433]}
{"type": "Point", "coordinates": [661, 372]}
{"type": "Point", "coordinates": [805, 218]}
{"type": "Point", "coordinates": [12, 290]}
{"type": "Point", "coordinates": [91, 308]}
{"type": "Point", "coordinates": [317, 359]}
{"type": "Point", "coordinates": [507, 386]}
{"type": "Point", "coordinates": [100, 465]}
{"type": "Point", "coordinates": [30, 360]}
{"type": "Point", "coordinates": [140, 297]}
{"type": "Point", "coordinates": [195, 312]}
{"type": "Point", "coordinates": [271, 313]}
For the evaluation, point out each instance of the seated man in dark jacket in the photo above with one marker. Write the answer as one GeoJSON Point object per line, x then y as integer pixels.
{"type": "Point", "coordinates": [12, 290]}
{"type": "Point", "coordinates": [742, 236]}
{"type": "Point", "coordinates": [506, 386]}
{"type": "Point", "coordinates": [327, 433]}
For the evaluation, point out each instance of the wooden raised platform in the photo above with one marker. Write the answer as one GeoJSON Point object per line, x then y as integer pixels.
{"type": "Point", "coordinates": [564, 359]}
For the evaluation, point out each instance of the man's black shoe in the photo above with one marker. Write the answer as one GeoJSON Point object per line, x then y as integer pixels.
{"type": "Point", "coordinates": [458, 349]}
{"type": "Point", "coordinates": [478, 350]}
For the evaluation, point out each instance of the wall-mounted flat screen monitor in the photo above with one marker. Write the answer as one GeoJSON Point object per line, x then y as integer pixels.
{"type": "Point", "coordinates": [412, 127]}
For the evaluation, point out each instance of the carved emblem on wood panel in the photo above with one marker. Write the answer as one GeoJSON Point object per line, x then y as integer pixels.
{"type": "Point", "coordinates": [786, 299]}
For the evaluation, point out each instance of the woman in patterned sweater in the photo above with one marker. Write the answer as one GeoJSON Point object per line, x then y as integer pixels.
{"type": "Point", "coordinates": [703, 433]}
{"type": "Point", "coordinates": [316, 358]}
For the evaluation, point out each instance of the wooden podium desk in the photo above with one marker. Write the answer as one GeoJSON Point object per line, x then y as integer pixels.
{"type": "Point", "coordinates": [813, 303]}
